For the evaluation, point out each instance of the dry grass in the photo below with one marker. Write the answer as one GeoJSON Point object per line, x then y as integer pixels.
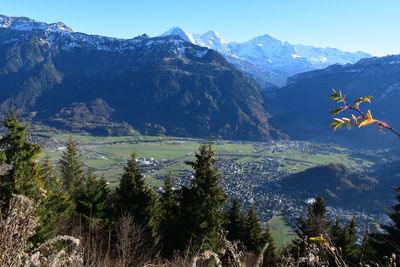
{"type": "Point", "coordinates": [17, 226]}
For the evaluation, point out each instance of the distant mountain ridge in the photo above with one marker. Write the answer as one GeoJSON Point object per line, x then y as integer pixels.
{"type": "Point", "coordinates": [162, 85]}
{"type": "Point", "coordinates": [307, 116]}
{"type": "Point", "coordinates": [27, 24]}
{"type": "Point", "coordinates": [268, 58]}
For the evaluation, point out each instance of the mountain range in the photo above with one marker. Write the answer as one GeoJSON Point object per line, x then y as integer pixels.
{"type": "Point", "coordinates": [267, 59]}
{"type": "Point", "coordinates": [161, 85]}
{"type": "Point", "coordinates": [175, 84]}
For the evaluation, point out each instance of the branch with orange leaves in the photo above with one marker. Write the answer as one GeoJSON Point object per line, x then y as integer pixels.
{"type": "Point", "coordinates": [362, 119]}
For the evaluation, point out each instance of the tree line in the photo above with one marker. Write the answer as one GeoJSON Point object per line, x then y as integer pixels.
{"type": "Point", "coordinates": [133, 225]}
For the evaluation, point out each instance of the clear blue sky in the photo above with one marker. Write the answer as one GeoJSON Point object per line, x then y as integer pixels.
{"type": "Point", "coordinates": [368, 25]}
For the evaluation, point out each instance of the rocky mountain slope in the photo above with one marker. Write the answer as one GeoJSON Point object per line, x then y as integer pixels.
{"type": "Point", "coordinates": [162, 85]}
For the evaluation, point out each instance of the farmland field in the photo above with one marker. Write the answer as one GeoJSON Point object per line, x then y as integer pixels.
{"type": "Point", "coordinates": [107, 155]}
{"type": "Point", "coordinates": [281, 232]}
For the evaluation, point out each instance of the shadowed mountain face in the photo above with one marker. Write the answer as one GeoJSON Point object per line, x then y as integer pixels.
{"type": "Point", "coordinates": [161, 85]}
{"type": "Point", "coordinates": [339, 186]}
{"type": "Point", "coordinates": [301, 108]}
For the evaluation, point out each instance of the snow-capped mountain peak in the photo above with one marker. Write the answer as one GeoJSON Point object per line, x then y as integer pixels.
{"type": "Point", "coordinates": [271, 54]}
{"type": "Point", "coordinates": [213, 40]}
{"type": "Point", "coordinates": [178, 31]}
{"type": "Point", "coordinates": [212, 35]}
{"type": "Point", "coordinates": [27, 24]}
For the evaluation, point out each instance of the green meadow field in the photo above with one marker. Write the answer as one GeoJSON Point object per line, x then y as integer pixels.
{"type": "Point", "coordinates": [107, 155]}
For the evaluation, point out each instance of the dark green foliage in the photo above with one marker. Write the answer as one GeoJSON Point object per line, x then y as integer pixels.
{"type": "Point", "coordinates": [247, 229]}
{"type": "Point", "coordinates": [24, 176]}
{"type": "Point", "coordinates": [383, 244]}
{"type": "Point", "coordinates": [345, 238]}
{"type": "Point", "coordinates": [253, 232]}
{"type": "Point", "coordinates": [135, 197]}
{"type": "Point", "coordinates": [255, 237]}
{"type": "Point", "coordinates": [54, 213]}
{"type": "Point", "coordinates": [202, 218]}
{"type": "Point", "coordinates": [394, 230]}
{"type": "Point", "coordinates": [336, 232]}
{"type": "Point", "coordinates": [316, 223]}
{"type": "Point", "coordinates": [71, 169]}
{"type": "Point", "coordinates": [169, 226]}
{"type": "Point", "coordinates": [48, 173]}
{"type": "Point", "coordinates": [270, 251]}
{"type": "Point", "coordinates": [235, 222]}
{"type": "Point", "coordinates": [93, 205]}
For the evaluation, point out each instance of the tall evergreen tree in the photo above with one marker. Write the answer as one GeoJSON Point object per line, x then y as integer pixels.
{"type": "Point", "coordinates": [54, 212]}
{"type": "Point", "coordinates": [48, 172]}
{"type": "Point", "coordinates": [384, 244]}
{"type": "Point", "coordinates": [247, 229]}
{"type": "Point", "coordinates": [202, 215]}
{"type": "Point", "coordinates": [169, 223]}
{"type": "Point", "coordinates": [267, 238]}
{"type": "Point", "coordinates": [18, 152]}
{"type": "Point", "coordinates": [394, 229]}
{"type": "Point", "coordinates": [235, 222]}
{"type": "Point", "coordinates": [345, 238]}
{"type": "Point", "coordinates": [24, 178]}
{"type": "Point", "coordinates": [93, 203]}
{"type": "Point", "coordinates": [336, 232]}
{"type": "Point", "coordinates": [316, 223]}
{"type": "Point", "coordinates": [71, 169]}
{"type": "Point", "coordinates": [351, 250]}
{"type": "Point", "coordinates": [253, 232]}
{"type": "Point", "coordinates": [137, 198]}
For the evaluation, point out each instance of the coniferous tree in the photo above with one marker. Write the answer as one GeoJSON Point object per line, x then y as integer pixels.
{"type": "Point", "coordinates": [202, 217]}
{"type": "Point", "coordinates": [255, 237]}
{"type": "Point", "coordinates": [253, 232]}
{"type": "Point", "coordinates": [18, 152]}
{"type": "Point", "coordinates": [316, 223]}
{"type": "Point", "coordinates": [24, 178]}
{"type": "Point", "coordinates": [71, 169]}
{"type": "Point", "coordinates": [235, 222]}
{"type": "Point", "coordinates": [384, 244]}
{"type": "Point", "coordinates": [394, 230]}
{"type": "Point", "coordinates": [336, 232]}
{"type": "Point", "coordinates": [351, 250]}
{"type": "Point", "coordinates": [93, 204]}
{"type": "Point", "coordinates": [135, 197]}
{"type": "Point", "coordinates": [48, 172]}
{"type": "Point", "coordinates": [54, 212]}
{"type": "Point", "coordinates": [169, 223]}
{"type": "Point", "coordinates": [345, 238]}
{"type": "Point", "coordinates": [267, 238]}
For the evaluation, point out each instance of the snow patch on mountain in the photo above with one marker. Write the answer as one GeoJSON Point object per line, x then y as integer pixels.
{"type": "Point", "coordinates": [27, 24]}
{"type": "Point", "coordinates": [177, 31]}
{"type": "Point", "coordinates": [58, 34]}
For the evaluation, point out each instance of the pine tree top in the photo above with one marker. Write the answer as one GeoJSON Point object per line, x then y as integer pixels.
{"type": "Point", "coordinates": [318, 208]}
